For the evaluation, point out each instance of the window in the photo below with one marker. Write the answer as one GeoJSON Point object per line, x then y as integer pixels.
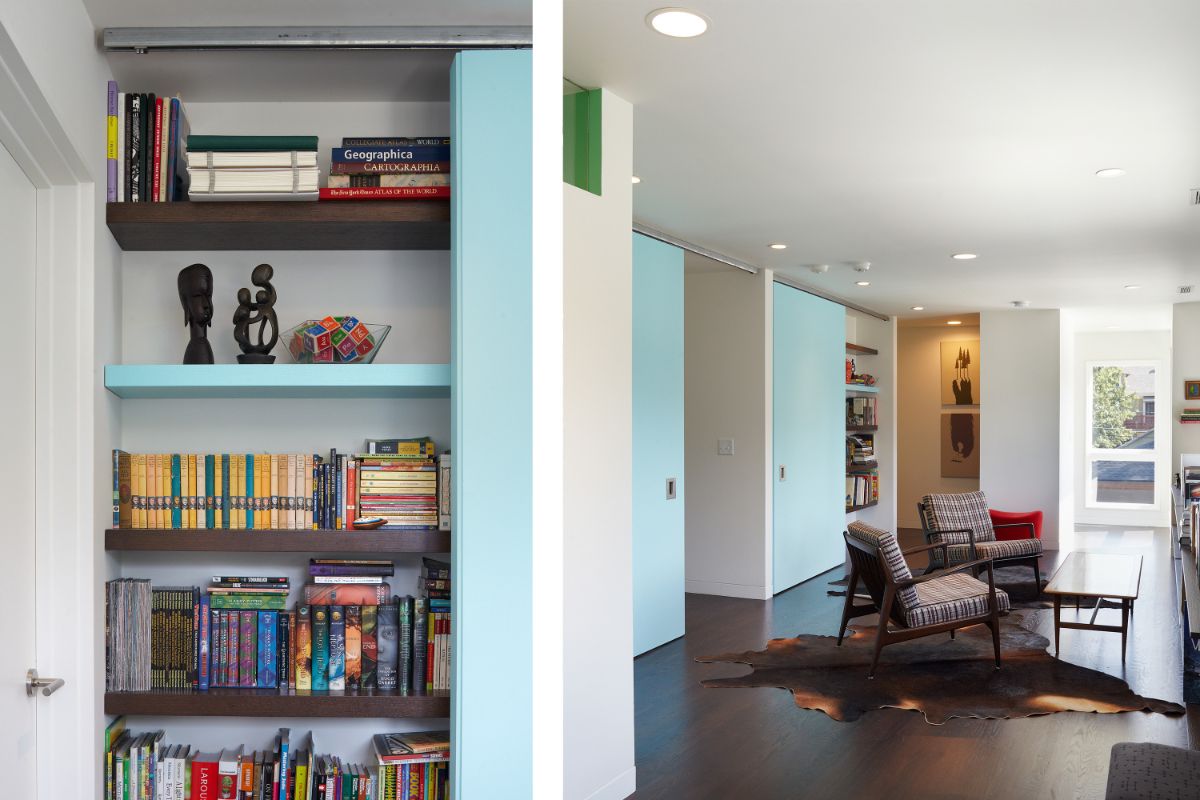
{"type": "Point", "coordinates": [1120, 458]}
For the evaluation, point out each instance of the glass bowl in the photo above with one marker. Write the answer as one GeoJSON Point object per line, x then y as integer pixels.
{"type": "Point", "coordinates": [334, 340]}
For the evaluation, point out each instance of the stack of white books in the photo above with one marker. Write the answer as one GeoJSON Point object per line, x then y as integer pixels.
{"type": "Point", "coordinates": [252, 168]}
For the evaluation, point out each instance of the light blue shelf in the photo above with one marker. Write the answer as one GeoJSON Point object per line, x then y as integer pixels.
{"type": "Point", "coordinates": [850, 387]}
{"type": "Point", "coordinates": [204, 381]}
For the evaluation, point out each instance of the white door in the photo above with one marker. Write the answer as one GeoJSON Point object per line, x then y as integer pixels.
{"type": "Point", "coordinates": [18, 731]}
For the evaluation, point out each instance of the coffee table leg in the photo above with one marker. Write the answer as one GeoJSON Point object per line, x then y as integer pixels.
{"type": "Point", "coordinates": [1057, 610]}
{"type": "Point", "coordinates": [1124, 625]}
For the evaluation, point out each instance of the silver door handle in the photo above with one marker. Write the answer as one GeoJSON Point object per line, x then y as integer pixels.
{"type": "Point", "coordinates": [48, 685]}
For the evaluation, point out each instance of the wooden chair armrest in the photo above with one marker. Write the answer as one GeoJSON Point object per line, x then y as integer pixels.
{"type": "Point", "coordinates": [941, 573]}
{"type": "Point", "coordinates": [923, 548]}
{"type": "Point", "coordinates": [1029, 525]}
{"type": "Point", "coordinates": [970, 540]}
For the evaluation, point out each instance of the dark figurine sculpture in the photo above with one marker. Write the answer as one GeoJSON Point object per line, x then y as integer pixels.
{"type": "Point", "coordinates": [195, 293]}
{"type": "Point", "coordinates": [261, 312]}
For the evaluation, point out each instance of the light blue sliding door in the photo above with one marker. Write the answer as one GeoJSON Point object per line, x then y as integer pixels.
{"type": "Point", "coordinates": [491, 424]}
{"type": "Point", "coordinates": [658, 582]}
{"type": "Point", "coordinates": [808, 399]}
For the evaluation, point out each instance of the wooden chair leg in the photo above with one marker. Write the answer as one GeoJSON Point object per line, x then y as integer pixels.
{"type": "Point", "coordinates": [1037, 577]}
{"type": "Point", "coordinates": [995, 626]}
{"type": "Point", "coordinates": [951, 634]}
{"type": "Point", "coordinates": [878, 648]}
{"type": "Point", "coordinates": [851, 588]}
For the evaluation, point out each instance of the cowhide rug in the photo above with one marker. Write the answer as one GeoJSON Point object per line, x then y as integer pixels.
{"type": "Point", "coordinates": [941, 677]}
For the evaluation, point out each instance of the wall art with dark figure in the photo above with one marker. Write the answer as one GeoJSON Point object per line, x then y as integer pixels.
{"type": "Point", "coordinates": [960, 446]}
{"type": "Point", "coordinates": [195, 284]}
{"type": "Point", "coordinates": [960, 373]}
{"type": "Point", "coordinates": [260, 313]}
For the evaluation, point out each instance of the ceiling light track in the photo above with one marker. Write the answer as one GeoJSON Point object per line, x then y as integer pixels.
{"type": "Point", "coordinates": [411, 37]}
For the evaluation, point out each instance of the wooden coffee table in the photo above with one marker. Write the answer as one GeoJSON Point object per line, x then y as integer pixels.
{"type": "Point", "coordinates": [1100, 576]}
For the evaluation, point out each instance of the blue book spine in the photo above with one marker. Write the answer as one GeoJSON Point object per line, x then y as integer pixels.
{"type": "Point", "coordinates": [172, 153]}
{"type": "Point", "coordinates": [249, 490]}
{"type": "Point", "coordinates": [210, 494]}
{"type": "Point", "coordinates": [320, 648]}
{"type": "Point", "coordinates": [390, 155]}
{"type": "Point", "coordinates": [176, 493]}
{"type": "Point", "coordinates": [316, 508]}
{"type": "Point", "coordinates": [203, 678]}
{"type": "Point", "coordinates": [337, 648]}
{"type": "Point", "coordinates": [268, 677]}
{"type": "Point", "coordinates": [225, 490]}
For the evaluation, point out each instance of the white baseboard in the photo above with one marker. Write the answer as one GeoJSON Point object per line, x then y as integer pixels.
{"type": "Point", "coordinates": [618, 788]}
{"type": "Point", "coordinates": [728, 589]}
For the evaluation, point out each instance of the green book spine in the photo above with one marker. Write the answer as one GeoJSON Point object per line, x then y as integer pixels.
{"type": "Point", "coordinates": [249, 602]}
{"type": "Point", "coordinates": [176, 507]}
{"type": "Point", "coordinates": [199, 143]}
{"type": "Point", "coordinates": [210, 492]}
{"type": "Point", "coordinates": [226, 509]}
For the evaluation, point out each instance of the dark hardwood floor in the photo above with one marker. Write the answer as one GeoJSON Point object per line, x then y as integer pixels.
{"type": "Point", "coordinates": [699, 743]}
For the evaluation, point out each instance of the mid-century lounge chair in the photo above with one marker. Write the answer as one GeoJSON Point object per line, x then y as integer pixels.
{"type": "Point", "coordinates": [937, 602]}
{"type": "Point", "coordinates": [964, 522]}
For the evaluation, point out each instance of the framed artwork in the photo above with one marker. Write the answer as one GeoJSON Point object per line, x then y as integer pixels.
{"type": "Point", "coordinates": [960, 445]}
{"type": "Point", "coordinates": [960, 373]}
{"type": "Point", "coordinates": [1191, 390]}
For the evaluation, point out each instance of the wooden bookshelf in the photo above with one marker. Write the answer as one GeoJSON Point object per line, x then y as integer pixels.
{"type": "Point", "coordinates": [858, 349]}
{"type": "Point", "coordinates": [329, 225]}
{"type": "Point", "coordinates": [277, 541]}
{"type": "Point", "coordinates": [861, 428]}
{"type": "Point", "coordinates": [851, 509]}
{"type": "Point", "coordinates": [274, 703]}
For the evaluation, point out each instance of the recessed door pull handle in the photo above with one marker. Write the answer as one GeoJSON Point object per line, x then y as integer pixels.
{"type": "Point", "coordinates": [48, 685]}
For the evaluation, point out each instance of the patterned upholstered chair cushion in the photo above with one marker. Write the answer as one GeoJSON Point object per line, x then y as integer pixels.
{"type": "Point", "coordinates": [1000, 549]}
{"type": "Point", "coordinates": [893, 559]}
{"type": "Point", "coordinates": [951, 512]}
{"type": "Point", "coordinates": [1149, 771]}
{"type": "Point", "coordinates": [952, 597]}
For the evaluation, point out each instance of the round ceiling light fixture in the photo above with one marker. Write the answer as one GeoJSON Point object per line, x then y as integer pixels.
{"type": "Point", "coordinates": [636, 179]}
{"type": "Point", "coordinates": [677, 22]}
{"type": "Point", "coordinates": [862, 283]}
{"type": "Point", "coordinates": [964, 256]}
{"type": "Point", "coordinates": [954, 322]}
{"type": "Point", "coordinates": [1132, 286]}
{"type": "Point", "coordinates": [777, 246]}
{"type": "Point", "coordinates": [918, 308]}
{"type": "Point", "coordinates": [1110, 172]}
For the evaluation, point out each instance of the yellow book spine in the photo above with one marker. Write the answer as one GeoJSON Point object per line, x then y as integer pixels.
{"type": "Point", "coordinates": [218, 504]}
{"type": "Point", "coordinates": [275, 491]}
{"type": "Point", "coordinates": [152, 465]}
{"type": "Point", "coordinates": [192, 490]}
{"type": "Point", "coordinates": [139, 490]}
{"type": "Point", "coordinates": [240, 473]}
{"type": "Point", "coordinates": [265, 493]}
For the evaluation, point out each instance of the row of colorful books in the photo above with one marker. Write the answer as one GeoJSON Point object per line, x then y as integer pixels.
{"type": "Point", "coordinates": [389, 168]}
{"type": "Point", "coordinates": [860, 411]}
{"type": "Point", "coordinates": [409, 766]}
{"type": "Point", "coordinates": [287, 491]}
{"type": "Point", "coordinates": [146, 137]}
{"type": "Point", "coordinates": [1189, 415]}
{"type": "Point", "coordinates": [862, 490]}
{"type": "Point", "coordinates": [350, 636]}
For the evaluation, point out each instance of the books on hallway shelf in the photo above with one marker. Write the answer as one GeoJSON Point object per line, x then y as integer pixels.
{"type": "Point", "coordinates": [1189, 415]}
{"type": "Point", "coordinates": [281, 491]}
{"type": "Point", "coordinates": [861, 490]}
{"type": "Point", "coordinates": [242, 631]}
{"type": "Point", "coordinates": [252, 167]}
{"type": "Point", "coordinates": [145, 147]}
{"type": "Point", "coordinates": [389, 168]}
{"type": "Point", "coordinates": [860, 411]}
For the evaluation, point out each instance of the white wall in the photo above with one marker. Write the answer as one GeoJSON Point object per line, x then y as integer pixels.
{"type": "Point", "coordinates": [55, 40]}
{"type": "Point", "coordinates": [598, 493]}
{"type": "Point", "coordinates": [727, 354]}
{"type": "Point", "coordinates": [1019, 415]}
{"type": "Point", "coordinates": [1185, 356]}
{"type": "Point", "coordinates": [1093, 346]}
{"type": "Point", "coordinates": [919, 405]}
{"type": "Point", "coordinates": [863, 329]}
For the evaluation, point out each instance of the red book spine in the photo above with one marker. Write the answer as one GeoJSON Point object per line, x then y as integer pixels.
{"type": "Point", "coordinates": [385, 193]}
{"type": "Point", "coordinates": [387, 167]}
{"type": "Point", "coordinates": [204, 778]}
{"type": "Point", "coordinates": [351, 495]}
{"type": "Point", "coordinates": [156, 184]}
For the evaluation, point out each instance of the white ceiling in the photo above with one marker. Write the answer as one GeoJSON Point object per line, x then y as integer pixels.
{"type": "Point", "coordinates": [295, 76]}
{"type": "Point", "coordinates": [902, 132]}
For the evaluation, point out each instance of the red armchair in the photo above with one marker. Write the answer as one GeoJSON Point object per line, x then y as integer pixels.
{"type": "Point", "coordinates": [1011, 525]}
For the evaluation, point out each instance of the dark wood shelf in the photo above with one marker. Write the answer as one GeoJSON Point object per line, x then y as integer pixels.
{"type": "Point", "coordinates": [850, 509]}
{"type": "Point", "coordinates": [861, 428]}
{"type": "Point", "coordinates": [274, 541]}
{"type": "Point", "coordinates": [330, 225]}
{"type": "Point", "coordinates": [860, 350]}
{"type": "Point", "coordinates": [273, 703]}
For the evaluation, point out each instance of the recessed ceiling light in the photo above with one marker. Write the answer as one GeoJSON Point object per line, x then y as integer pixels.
{"type": "Point", "coordinates": [918, 308]}
{"type": "Point", "coordinates": [677, 22]}
{"type": "Point", "coordinates": [636, 179]}
{"type": "Point", "coordinates": [954, 322]}
{"type": "Point", "coordinates": [964, 256]}
{"type": "Point", "coordinates": [1110, 172]}
{"type": "Point", "coordinates": [1132, 286]}
{"type": "Point", "coordinates": [862, 283]}
{"type": "Point", "coordinates": [777, 246]}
